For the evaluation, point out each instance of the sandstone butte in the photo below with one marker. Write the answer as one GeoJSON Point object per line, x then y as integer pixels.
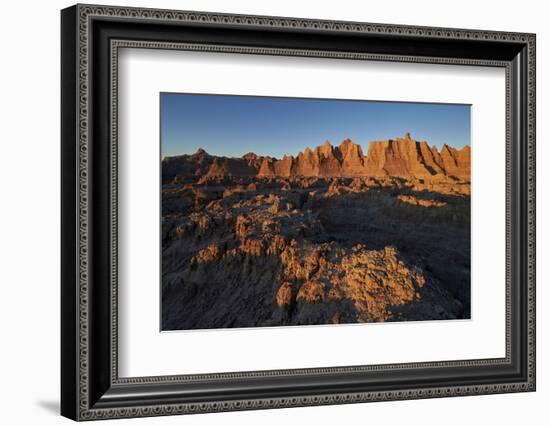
{"type": "Point", "coordinates": [401, 157]}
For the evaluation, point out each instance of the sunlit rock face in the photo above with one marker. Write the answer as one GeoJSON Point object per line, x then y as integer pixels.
{"type": "Point", "coordinates": [353, 160]}
{"type": "Point", "coordinates": [405, 157]}
{"type": "Point", "coordinates": [401, 157]}
{"type": "Point", "coordinates": [331, 236]}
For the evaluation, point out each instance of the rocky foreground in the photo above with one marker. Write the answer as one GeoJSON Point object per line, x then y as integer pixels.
{"type": "Point", "coordinates": [257, 249]}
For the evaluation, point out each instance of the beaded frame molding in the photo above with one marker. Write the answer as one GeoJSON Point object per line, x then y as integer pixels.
{"type": "Point", "coordinates": [91, 38]}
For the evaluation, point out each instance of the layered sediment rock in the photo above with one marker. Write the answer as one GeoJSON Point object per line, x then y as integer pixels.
{"type": "Point", "coordinates": [230, 167]}
{"type": "Point", "coordinates": [401, 157]}
{"type": "Point", "coordinates": [183, 167]}
{"type": "Point", "coordinates": [405, 157]}
{"type": "Point", "coordinates": [353, 160]}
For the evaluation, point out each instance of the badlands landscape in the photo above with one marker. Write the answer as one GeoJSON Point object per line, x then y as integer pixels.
{"type": "Point", "coordinates": [332, 235]}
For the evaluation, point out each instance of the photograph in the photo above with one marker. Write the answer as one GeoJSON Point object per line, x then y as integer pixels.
{"type": "Point", "coordinates": [282, 211]}
{"type": "Point", "coordinates": [265, 208]}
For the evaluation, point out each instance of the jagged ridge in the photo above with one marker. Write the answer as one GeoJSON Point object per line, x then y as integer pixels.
{"type": "Point", "coordinates": [401, 157]}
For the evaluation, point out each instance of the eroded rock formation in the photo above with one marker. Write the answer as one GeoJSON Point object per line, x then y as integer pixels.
{"type": "Point", "coordinates": [330, 236]}
{"type": "Point", "coordinates": [270, 251]}
{"type": "Point", "coordinates": [401, 157]}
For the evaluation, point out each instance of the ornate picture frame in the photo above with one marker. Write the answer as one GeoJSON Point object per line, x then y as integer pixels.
{"type": "Point", "coordinates": [91, 37]}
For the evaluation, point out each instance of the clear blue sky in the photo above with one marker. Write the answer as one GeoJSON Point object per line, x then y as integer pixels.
{"type": "Point", "coordinates": [234, 125]}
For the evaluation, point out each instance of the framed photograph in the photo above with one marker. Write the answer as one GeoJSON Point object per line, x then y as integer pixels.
{"type": "Point", "coordinates": [263, 212]}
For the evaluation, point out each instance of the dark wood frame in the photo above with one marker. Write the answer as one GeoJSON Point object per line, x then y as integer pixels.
{"type": "Point", "coordinates": [90, 386]}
